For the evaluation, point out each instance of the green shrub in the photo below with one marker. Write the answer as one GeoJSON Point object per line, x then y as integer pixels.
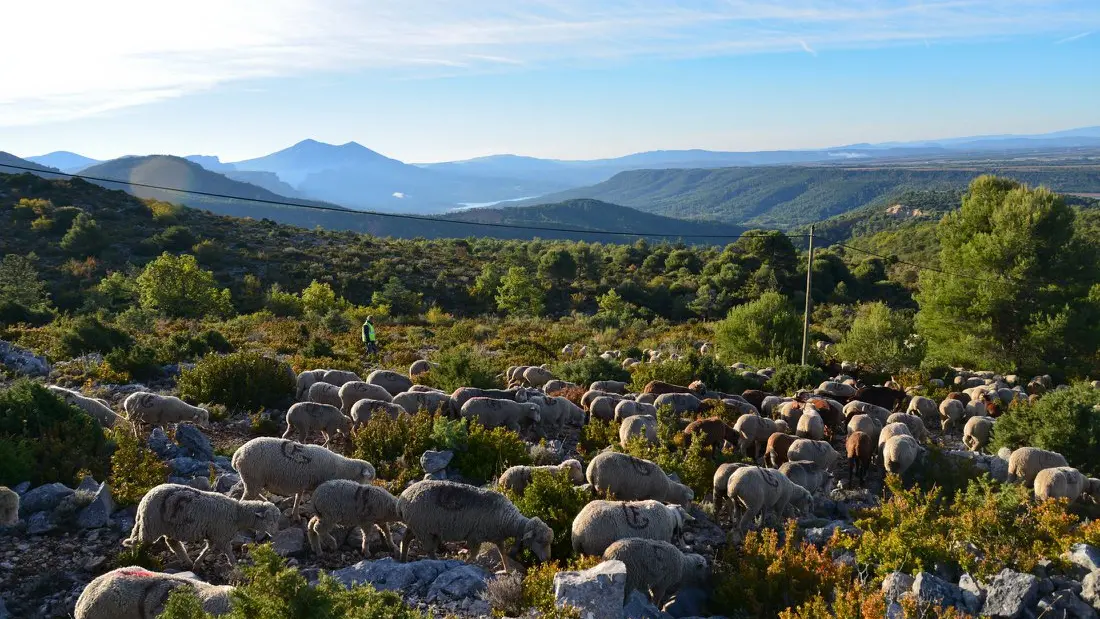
{"type": "Point", "coordinates": [791, 378]}
{"type": "Point", "coordinates": [692, 367]}
{"type": "Point", "coordinates": [135, 469]}
{"type": "Point", "coordinates": [553, 498]}
{"type": "Point", "coordinates": [597, 435]}
{"type": "Point", "coordinates": [242, 381]}
{"type": "Point", "coordinates": [282, 303]}
{"type": "Point", "coordinates": [87, 334]}
{"type": "Point", "coordinates": [588, 370]}
{"type": "Point", "coordinates": [13, 313]}
{"type": "Point", "coordinates": [138, 361]}
{"type": "Point", "coordinates": [317, 347]}
{"type": "Point", "coordinates": [183, 346]}
{"type": "Point", "coordinates": [394, 446]}
{"type": "Point", "coordinates": [272, 590]}
{"type": "Point", "coordinates": [761, 330]}
{"type": "Point", "coordinates": [177, 286]}
{"type": "Point", "coordinates": [43, 439]}
{"type": "Point", "coordinates": [1064, 421]}
{"type": "Point", "coordinates": [462, 366]}
{"type": "Point", "coordinates": [486, 453]}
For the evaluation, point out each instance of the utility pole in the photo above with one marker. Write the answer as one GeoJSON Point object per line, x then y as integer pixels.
{"type": "Point", "coordinates": [809, 299]}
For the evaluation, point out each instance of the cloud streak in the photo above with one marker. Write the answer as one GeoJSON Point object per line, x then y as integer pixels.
{"type": "Point", "coordinates": [1076, 37]}
{"type": "Point", "coordinates": [116, 54]}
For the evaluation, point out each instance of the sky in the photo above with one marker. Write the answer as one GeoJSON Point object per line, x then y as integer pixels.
{"type": "Point", "coordinates": [438, 80]}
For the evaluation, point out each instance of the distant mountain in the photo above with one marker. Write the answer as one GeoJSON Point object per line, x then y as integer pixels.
{"type": "Point", "coordinates": [212, 163]}
{"type": "Point", "coordinates": [64, 160]}
{"type": "Point", "coordinates": [8, 159]}
{"type": "Point", "coordinates": [787, 196]}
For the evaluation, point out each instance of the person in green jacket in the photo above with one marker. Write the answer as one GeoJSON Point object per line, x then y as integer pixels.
{"type": "Point", "coordinates": [369, 337]}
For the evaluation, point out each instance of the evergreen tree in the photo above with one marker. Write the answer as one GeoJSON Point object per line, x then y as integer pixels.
{"type": "Point", "coordinates": [518, 294]}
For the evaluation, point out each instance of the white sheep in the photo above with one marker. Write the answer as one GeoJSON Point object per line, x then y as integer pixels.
{"type": "Point", "coordinates": [96, 409]}
{"type": "Point", "coordinates": [287, 468]}
{"type": "Point", "coordinates": [899, 453]}
{"type": "Point", "coordinates": [646, 398]}
{"type": "Point", "coordinates": [820, 453]}
{"type": "Point", "coordinates": [430, 401]}
{"type": "Point", "coordinates": [855, 407]}
{"type": "Point", "coordinates": [627, 478]}
{"type": "Point", "coordinates": [464, 394]}
{"type": "Point", "coordinates": [611, 386]}
{"type": "Point", "coordinates": [629, 408]}
{"type": "Point", "coordinates": [756, 490]}
{"type": "Point", "coordinates": [721, 481]}
{"type": "Point", "coordinates": [144, 408]}
{"type": "Point", "coordinates": [537, 377]}
{"type": "Point", "coordinates": [1026, 462]}
{"type": "Point", "coordinates": [835, 389]}
{"type": "Point", "coordinates": [923, 407]}
{"type": "Point", "coordinates": [810, 425]}
{"type": "Point", "coordinates": [134, 592]}
{"type": "Point", "coordinates": [638, 425]}
{"type": "Point", "coordinates": [555, 413]}
{"type": "Point", "coordinates": [556, 386]}
{"type": "Point", "coordinates": [419, 368]}
{"type": "Point", "coordinates": [444, 511]}
{"type": "Point", "coordinates": [590, 395]}
{"type": "Point", "coordinates": [603, 407]}
{"type": "Point", "coordinates": [339, 377]}
{"type": "Point", "coordinates": [9, 507]}
{"type": "Point", "coordinates": [306, 417]}
{"type": "Point", "coordinates": [325, 393]}
{"type": "Point", "coordinates": [181, 514]}
{"type": "Point", "coordinates": [976, 432]}
{"type": "Point", "coordinates": [915, 424]}
{"type": "Point", "coordinates": [806, 474]}
{"type": "Point", "coordinates": [951, 412]}
{"type": "Point", "coordinates": [865, 424]}
{"type": "Point", "coordinates": [790, 412]}
{"type": "Point", "coordinates": [600, 524]}
{"type": "Point", "coordinates": [306, 380]}
{"type": "Point", "coordinates": [679, 402]}
{"type": "Point", "coordinates": [363, 410]}
{"type": "Point", "coordinates": [493, 413]}
{"type": "Point", "coordinates": [754, 431]}
{"type": "Point", "coordinates": [352, 392]}
{"type": "Point", "coordinates": [656, 567]}
{"type": "Point", "coordinates": [517, 478]}
{"type": "Point", "coordinates": [389, 380]}
{"type": "Point", "coordinates": [891, 430]}
{"type": "Point", "coordinates": [1060, 482]}
{"type": "Point", "coordinates": [345, 502]}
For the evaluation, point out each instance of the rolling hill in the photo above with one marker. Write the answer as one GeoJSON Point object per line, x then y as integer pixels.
{"type": "Point", "coordinates": [64, 160]}
{"type": "Point", "coordinates": [8, 159]}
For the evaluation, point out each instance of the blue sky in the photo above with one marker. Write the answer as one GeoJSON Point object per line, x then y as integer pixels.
{"type": "Point", "coordinates": [448, 79]}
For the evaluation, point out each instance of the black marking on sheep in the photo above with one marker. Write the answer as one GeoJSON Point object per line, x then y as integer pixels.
{"type": "Point", "coordinates": [156, 593]}
{"type": "Point", "coordinates": [451, 498]}
{"type": "Point", "coordinates": [293, 451]}
{"type": "Point", "coordinates": [634, 518]}
{"type": "Point", "coordinates": [146, 401]}
{"type": "Point", "coordinates": [769, 478]}
{"type": "Point", "coordinates": [175, 508]}
{"type": "Point", "coordinates": [641, 467]}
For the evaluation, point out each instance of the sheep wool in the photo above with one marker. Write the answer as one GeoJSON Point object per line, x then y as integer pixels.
{"type": "Point", "coordinates": [306, 417]}
{"type": "Point", "coordinates": [516, 478]}
{"type": "Point", "coordinates": [680, 402]}
{"type": "Point", "coordinates": [603, 407]}
{"type": "Point", "coordinates": [866, 424]}
{"type": "Point", "coordinates": [494, 413]}
{"type": "Point", "coordinates": [419, 368]}
{"type": "Point", "coordinates": [590, 395]}
{"type": "Point", "coordinates": [899, 453]}
{"type": "Point", "coordinates": [951, 412]}
{"type": "Point", "coordinates": [391, 381]}
{"type": "Point", "coordinates": [345, 502]}
{"type": "Point", "coordinates": [339, 377]}
{"type": "Point", "coordinates": [860, 450]}
{"type": "Point", "coordinates": [810, 425]}
{"type": "Point", "coordinates": [430, 401]}
{"type": "Point", "coordinates": [137, 593]}
{"type": "Point", "coordinates": [915, 424]}
{"type": "Point", "coordinates": [976, 432]}
{"type": "Point", "coordinates": [753, 431]}
{"type": "Point", "coordinates": [144, 408]}
{"type": "Point", "coordinates": [556, 412]}
{"type": "Point", "coordinates": [754, 491]}
{"type": "Point", "coordinates": [806, 474]}
{"type": "Point", "coordinates": [9, 507]}
{"type": "Point", "coordinates": [1061, 482]}
{"type": "Point", "coordinates": [363, 410]}
{"type": "Point", "coordinates": [537, 377]}
{"type": "Point", "coordinates": [444, 511]}
{"type": "Point", "coordinates": [1026, 462]}
{"type": "Point", "coordinates": [633, 479]}
{"type": "Point", "coordinates": [352, 392]}
{"type": "Point", "coordinates": [325, 393]}
{"type": "Point", "coordinates": [287, 468]}
{"type": "Point", "coordinates": [779, 444]}
{"type": "Point", "coordinates": [638, 425]}
{"type": "Point", "coordinates": [656, 567]}
{"type": "Point", "coordinates": [602, 523]}
{"type": "Point", "coordinates": [820, 453]}
{"type": "Point", "coordinates": [95, 408]}
{"type": "Point", "coordinates": [721, 481]}
{"type": "Point", "coordinates": [181, 514]}
{"type": "Point", "coordinates": [890, 431]}
{"type": "Point", "coordinates": [611, 386]}
{"type": "Point", "coordinates": [305, 381]}
{"type": "Point", "coordinates": [464, 394]}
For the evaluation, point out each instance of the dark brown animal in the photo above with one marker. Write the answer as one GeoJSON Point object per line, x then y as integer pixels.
{"type": "Point", "coordinates": [755, 397]}
{"type": "Point", "coordinates": [660, 387]}
{"type": "Point", "coordinates": [778, 444]}
{"type": "Point", "coordinates": [712, 431]}
{"type": "Point", "coordinates": [960, 396]}
{"type": "Point", "coordinates": [887, 398]}
{"type": "Point", "coordinates": [860, 451]}
{"type": "Point", "coordinates": [831, 417]}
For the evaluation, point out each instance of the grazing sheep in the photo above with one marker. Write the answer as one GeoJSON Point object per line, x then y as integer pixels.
{"type": "Point", "coordinates": [182, 514]}
{"type": "Point", "coordinates": [656, 567]}
{"type": "Point", "coordinates": [136, 593]}
{"type": "Point", "coordinates": [629, 408]}
{"type": "Point", "coordinates": [9, 507]}
{"type": "Point", "coordinates": [494, 413]}
{"type": "Point", "coordinates": [629, 362]}
{"type": "Point", "coordinates": [352, 392]}
{"type": "Point", "coordinates": [659, 387]}
{"type": "Point", "coordinates": [645, 398]}
{"type": "Point", "coordinates": [537, 377]}
{"type": "Point", "coordinates": [860, 449]}
{"type": "Point", "coordinates": [144, 408]}
{"type": "Point", "coordinates": [835, 389]}
{"type": "Point", "coordinates": [885, 397]}
{"type": "Point", "coordinates": [891, 430]}
{"type": "Point", "coordinates": [464, 394]}
{"type": "Point", "coordinates": [555, 413]}
{"type": "Point", "coordinates": [96, 409]}
{"type": "Point", "coordinates": [517, 478]}
{"type": "Point", "coordinates": [983, 407]}
{"type": "Point", "coordinates": [627, 478]}
{"type": "Point", "coordinates": [589, 396]}
{"type": "Point", "coordinates": [820, 453]}
{"type": "Point", "coordinates": [790, 412]}
{"type": "Point", "coordinates": [753, 431]}
{"type": "Point", "coordinates": [363, 410]}
{"type": "Point", "coordinates": [430, 401]}
{"type": "Point", "coordinates": [914, 423]}
{"type": "Point", "coordinates": [806, 474]}
{"type": "Point", "coordinates": [740, 405]}
{"type": "Point", "coordinates": [611, 386]}
{"type": "Point", "coordinates": [638, 425]}
{"type": "Point", "coordinates": [1061, 482]}
{"type": "Point", "coordinates": [305, 381]}
{"type": "Point", "coordinates": [1026, 462]}
{"type": "Point", "coordinates": [865, 424]}
{"type": "Point", "coordinates": [713, 431]}
{"type": "Point", "coordinates": [307, 417]}
{"type": "Point", "coordinates": [721, 480]}
{"type": "Point", "coordinates": [557, 386]}
{"type": "Point", "coordinates": [679, 402]}
{"type": "Point", "coordinates": [779, 443]}
{"type": "Point", "coordinates": [923, 407]}
{"type": "Point", "coordinates": [424, 389]}
{"type": "Point", "coordinates": [567, 350]}
{"type": "Point", "coordinates": [345, 502]}
{"type": "Point", "coordinates": [602, 408]}
{"type": "Point", "coordinates": [444, 511]}
{"type": "Point", "coordinates": [602, 523]}
{"type": "Point", "coordinates": [514, 373]}
{"type": "Point", "coordinates": [339, 377]}
{"type": "Point", "coordinates": [899, 453]}
{"type": "Point", "coordinates": [951, 412]}
{"type": "Point", "coordinates": [810, 425]}
{"type": "Point", "coordinates": [976, 433]}
{"type": "Point", "coordinates": [756, 398]}
{"type": "Point", "coordinates": [769, 407]}
{"type": "Point", "coordinates": [325, 393]}
{"type": "Point", "coordinates": [419, 368]}
{"type": "Point", "coordinates": [856, 407]}
{"type": "Point", "coordinates": [287, 468]}
{"type": "Point", "coordinates": [391, 381]}
{"type": "Point", "coordinates": [756, 490]}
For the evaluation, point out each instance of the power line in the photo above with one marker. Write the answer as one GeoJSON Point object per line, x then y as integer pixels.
{"type": "Point", "coordinates": [923, 267]}
{"type": "Point", "coordinates": [437, 220]}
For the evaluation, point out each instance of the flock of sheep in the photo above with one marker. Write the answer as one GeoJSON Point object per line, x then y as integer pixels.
{"type": "Point", "coordinates": [640, 513]}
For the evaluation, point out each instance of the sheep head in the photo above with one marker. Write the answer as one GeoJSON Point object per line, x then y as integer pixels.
{"type": "Point", "coordinates": [260, 516]}
{"type": "Point", "coordinates": [537, 536]}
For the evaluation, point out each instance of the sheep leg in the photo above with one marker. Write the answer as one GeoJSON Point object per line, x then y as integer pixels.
{"type": "Point", "coordinates": [228, 550]}
{"type": "Point", "coordinates": [202, 554]}
{"type": "Point", "coordinates": [252, 493]}
{"type": "Point", "coordinates": [406, 541]}
{"type": "Point", "coordinates": [180, 550]}
{"type": "Point", "coordinates": [658, 594]}
{"type": "Point", "coordinates": [385, 533]}
{"type": "Point", "coordinates": [294, 510]}
{"type": "Point", "coordinates": [503, 555]}
{"type": "Point", "coordinates": [311, 535]}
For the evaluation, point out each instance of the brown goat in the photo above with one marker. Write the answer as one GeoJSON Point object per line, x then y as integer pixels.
{"type": "Point", "coordinates": [860, 451]}
{"type": "Point", "coordinates": [755, 397]}
{"type": "Point", "coordinates": [778, 444]}
{"type": "Point", "coordinates": [712, 431]}
{"type": "Point", "coordinates": [960, 396]}
{"type": "Point", "coordinates": [660, 387]}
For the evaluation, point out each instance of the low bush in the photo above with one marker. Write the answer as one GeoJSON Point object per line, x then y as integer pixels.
{"type": "Point", "coordinates": [588, 370]}
{"type": "Point", "coordinates": [87, 334]}
{"type": "Point", "coordinates": [183, 346]}
{"type": "Point", "coordinates": [135, 469]}
{"type": "Point", "coordinates": [691, 367]}
{"type": "Point", "coordinates": [272, 590]}
{"type": "Point", "coordinates": [790, 378]}
{"type": "Point", "coordinates": [483, 454]}
{"type": "Point", "coordinates": [553, 498]}
{"type": "Point", "coordinates": [394, 446]}
{"type": "Point", "coordinates": [597, 435]}
{"type": "Point", "coordinates": [43, 439]}
{"type": "Point", "coordinates": [13, 313]}
{"type": "Point", "coordinates": [461, 366]}
{"type": "Point", "coordinates": [242, 381]}
{"type": "Point", "coordinates": [1065, 421]}
{"type": "Point", "coordinates": [139, 362]}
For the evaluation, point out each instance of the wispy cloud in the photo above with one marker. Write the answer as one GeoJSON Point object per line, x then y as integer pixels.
{"type": "Point", "coordinates": [1076, 37]}
{"type": "Point", "coordinates": [104, 56]}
